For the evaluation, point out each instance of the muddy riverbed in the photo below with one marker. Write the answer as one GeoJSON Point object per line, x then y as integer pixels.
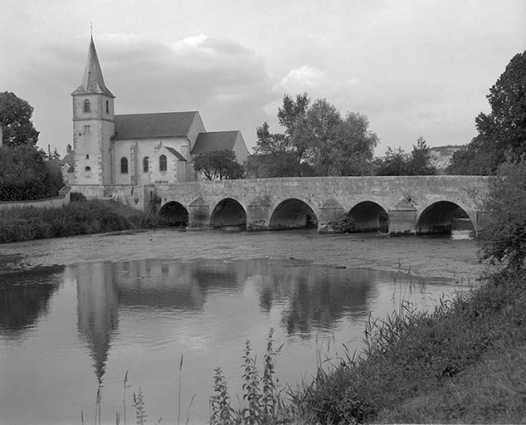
{"type": "Point", "coordinates": [420, 256]}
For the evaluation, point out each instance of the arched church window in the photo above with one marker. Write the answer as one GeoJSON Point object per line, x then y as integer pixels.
{"type": "Point", "coordinates": [107, 107]}
{"type": "Point", "coordinates": [124, 165]}
{"type": "Point", "coordinates": [162, 163]}
{"type": "Point", "coordinates": [87, 169]}
{"type": "Point", "coordinates": [145, 164]}
{"type": "Point", "coordinates": [87, 106]}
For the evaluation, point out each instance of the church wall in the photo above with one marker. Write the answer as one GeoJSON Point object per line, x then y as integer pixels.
{"type": "Point", "coordinates": [91, 134]}
{"type": "Point", "coordinates": [196, 128]}
{"type": "Point", "coordinates": [87, 144]}
{"type": "Point", "coordinates": [145, 147]}
{"type": "Point", "coordinates": [108, 129]}
{"type": "Point", "coordinates": [181, 171]}
{"type": "Point", "coordinates": [240, 149]}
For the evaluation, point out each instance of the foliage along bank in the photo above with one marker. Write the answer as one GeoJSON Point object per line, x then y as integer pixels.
{"type": "Point", "coordinates": [77, 218]}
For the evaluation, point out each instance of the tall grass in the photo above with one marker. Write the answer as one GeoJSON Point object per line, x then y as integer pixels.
{"type": "Point", "coordinates": [411, 356]}
{"type": "Point", "coordinates": [76, 218]}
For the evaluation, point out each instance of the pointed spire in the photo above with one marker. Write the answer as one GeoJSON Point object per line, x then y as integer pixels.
{"type": "Point", "coordinates": [92, 81]}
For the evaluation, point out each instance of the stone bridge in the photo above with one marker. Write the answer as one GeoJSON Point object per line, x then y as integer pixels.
{"type": "Point", "coordinates": [399, 205]}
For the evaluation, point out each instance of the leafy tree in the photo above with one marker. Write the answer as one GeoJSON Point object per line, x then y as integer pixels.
{"type": "Point", "coordinates": [282, 155]}
{"type": "Point", "coordinates": [26, 174]}
{"type": "Point", "coordinates": [316, 141]}
{"type": "Point", "coordinates": [15, 120]}
{"type": "Point", "coordinates": [354, 146]}
{"type": "Point", "coordinates": [502, 132]}
{"type": "Point", "coordinates": [399, 163]}
{"type": "Point", "coordinates": [480, 157]}
{"type": "Point", "coordinates": [318, 130]}
{"type": "Point", "coordinates": [219, 164]}
{"type": "Point", "coordinates": [503, 236]}
{"type": "Point", "coordinates": [269, 166]}
{"type": "Point", "coordinates": [419, 163]}
{"type": "Point", "coordinates": [292, 111]}
{"type": "Point", "coordinates": [394, 163]}
{"type": "Point", "coordinates": [273, 155]}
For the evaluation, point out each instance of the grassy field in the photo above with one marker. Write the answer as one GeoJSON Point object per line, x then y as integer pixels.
{"type": "Point", "coordinates": [77, 218]}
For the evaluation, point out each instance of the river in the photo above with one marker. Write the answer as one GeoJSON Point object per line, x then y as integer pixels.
{"type": "Point", "coordinates": [83, 311]}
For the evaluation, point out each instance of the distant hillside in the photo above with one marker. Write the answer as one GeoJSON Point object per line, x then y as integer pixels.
{"type": "Point", "coordinates": [441, 156]}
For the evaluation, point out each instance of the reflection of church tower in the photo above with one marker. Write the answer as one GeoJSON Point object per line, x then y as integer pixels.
{"type": "Point", "coordinates": [93, 125]}
{"type": "Point", "coordinates": [97, 310]}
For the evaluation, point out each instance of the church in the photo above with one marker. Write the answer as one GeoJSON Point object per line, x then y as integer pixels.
{"type": "Point", "coordinates": [137, 149]}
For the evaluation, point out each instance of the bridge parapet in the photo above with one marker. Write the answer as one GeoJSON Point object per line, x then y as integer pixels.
{"type": "Point", "coordinates": [404, 199]}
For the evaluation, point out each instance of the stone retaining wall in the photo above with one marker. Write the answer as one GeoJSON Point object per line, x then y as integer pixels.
{"type": "Point", "coordinates": [55, 202]}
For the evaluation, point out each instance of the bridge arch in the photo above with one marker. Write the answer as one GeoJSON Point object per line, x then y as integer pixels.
{"type": "Point", "coordinates": [293, 213]}
{"type": "Point", "coordinates": [443, 217]}
{"type": "Point", "coordinates": [369, 216]}
{"type": "Point", "coordinates": [175, 214]}
{"type": "Point", "coordinates": [229, 212]}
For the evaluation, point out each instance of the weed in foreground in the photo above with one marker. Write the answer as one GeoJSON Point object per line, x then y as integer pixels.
{"type": "Point", "coordinates": [265, 401]}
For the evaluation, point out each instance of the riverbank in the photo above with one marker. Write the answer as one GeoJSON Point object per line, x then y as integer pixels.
{"type": "Point", "coordinates": [463, 363]}
{"type": "Point", "coordinates": [77, 218]}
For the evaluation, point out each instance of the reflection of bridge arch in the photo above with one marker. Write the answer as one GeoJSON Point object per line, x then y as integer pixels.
{"type": "Point", "coordinates": [293, 213]}
{"type": "Point", "coordinates": [175, 213]}
{"type": "Point", "coordinates": [442, 217]}
{"type": "Point", "coordinates": [369, 216]}
{"type": "Point", "coordinates": [228, 212]}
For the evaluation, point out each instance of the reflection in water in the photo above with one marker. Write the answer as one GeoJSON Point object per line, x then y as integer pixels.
{"type": "Point", "coordinates": [97, 310]}
{"type": "Point", "coordinates": [143, 315]}
{"type": "Point", "coordinates": [314, 298]}
{"type": "Point", "coordinates": [24, 298]}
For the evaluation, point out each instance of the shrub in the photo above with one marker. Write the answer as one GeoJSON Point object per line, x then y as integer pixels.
{"type": "Point", "coordinates": [77, 197]}
{"type": "Point", "coordinates": [345, 224]}
{"type": "Point", "coordinates": [503, 236]}
{"type": "Point", "coordinates": [77, 218]}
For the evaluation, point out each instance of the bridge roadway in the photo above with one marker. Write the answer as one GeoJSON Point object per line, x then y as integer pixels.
{"type": "Point", "coordinates": [399, 204]}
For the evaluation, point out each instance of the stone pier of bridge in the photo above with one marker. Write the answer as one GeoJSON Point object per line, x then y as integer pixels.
{"type": "Point", "coordinates": [399, 205]}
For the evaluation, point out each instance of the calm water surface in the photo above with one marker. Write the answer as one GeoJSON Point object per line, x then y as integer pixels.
{"type": "Point", "coordinates": [64, 329]}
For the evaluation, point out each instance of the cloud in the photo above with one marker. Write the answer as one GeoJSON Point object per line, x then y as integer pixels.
{"type": "Point", "coordinates": [301, 79]}
{"type": "Point", "coordinates": [223, 80]}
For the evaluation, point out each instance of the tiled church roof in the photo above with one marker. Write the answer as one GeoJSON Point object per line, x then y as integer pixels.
{"type": "Point", "coordinates": [148, 126]}
{"type": "Point", "coordinates": [214, 141]}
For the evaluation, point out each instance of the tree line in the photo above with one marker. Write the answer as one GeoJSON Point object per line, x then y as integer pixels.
{"type": "Point", "coordinates": [319, 141]}
{"type": "Point", "coordinates": [26, 172]}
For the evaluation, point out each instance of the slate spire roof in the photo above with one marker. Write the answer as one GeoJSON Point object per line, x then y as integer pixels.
{"type": "Point", "coordinates": [92, 80]}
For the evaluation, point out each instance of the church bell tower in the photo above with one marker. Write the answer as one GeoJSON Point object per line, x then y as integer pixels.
{"type": "Point", "coordinates": [93, 125]}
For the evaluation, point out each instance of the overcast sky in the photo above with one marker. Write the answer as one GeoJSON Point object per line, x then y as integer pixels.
{"type": "Point", "coordinates": [413, 67]}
